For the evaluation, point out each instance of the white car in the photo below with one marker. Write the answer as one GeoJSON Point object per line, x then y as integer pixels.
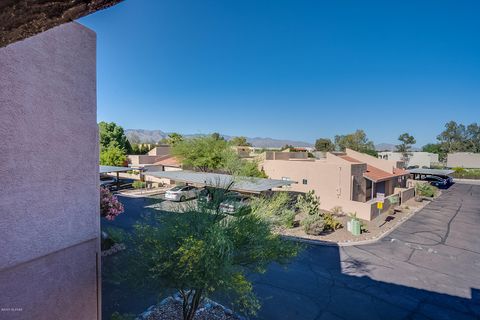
{"type": "Point", "coordinates": [181, 193]}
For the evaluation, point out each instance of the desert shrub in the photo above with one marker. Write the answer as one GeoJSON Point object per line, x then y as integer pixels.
{"type": "Point", "coordinates": [337, 210]}
{"type": "Point", "coordinates": [138, 184]}
{"type": "Point", "coordinates": [313, 224]}
{"type": "Point", "coordinates": [276, 209]}
{"type": "Point", "coordinates": [331, 224]}
{"type": "Point", "coordinates": [466, 173]}
{"type": "Point", "coordinates": [425, 190]}
{"type": "Point", "coordinates": [308, 203]}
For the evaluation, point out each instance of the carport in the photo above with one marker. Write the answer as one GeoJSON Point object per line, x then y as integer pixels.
{"type": "Point", "coordinates": [113, 169]}
{"type": "Point", "coordinates": [420, 173]}
{"type": "Point", "coordinates": [218, 180]}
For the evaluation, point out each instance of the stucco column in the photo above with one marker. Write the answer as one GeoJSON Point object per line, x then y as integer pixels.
{"type": "Point", "coordinates": [49, 194]}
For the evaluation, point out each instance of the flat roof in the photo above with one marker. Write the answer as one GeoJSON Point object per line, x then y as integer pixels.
{"type": "Point", "coordinates": [438, 172]}
{"type": "Point", "coordinates": [245, 184]}
{"type": "Point", "coordinates": [107, 169]}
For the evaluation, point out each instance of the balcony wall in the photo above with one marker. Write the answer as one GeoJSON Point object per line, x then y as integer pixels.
{"type": "Point", "coordinates": [49, 196]}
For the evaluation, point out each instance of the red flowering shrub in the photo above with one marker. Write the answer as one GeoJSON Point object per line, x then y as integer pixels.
{"type": "Point", "coordinates": [110, 207]}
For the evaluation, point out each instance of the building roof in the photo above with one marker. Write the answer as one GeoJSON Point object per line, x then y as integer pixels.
{"type": "Point", "coordinates": [107, 169]}
{"type": "Point", "coordinates": [243, 184]}
{"type": "Point", "coordinates": [23, 19]}
{"type": "Point", "coordinates": [435, 172]}
{"type": "Point", "coordinates": [169, 161]}
{"type": "Point", "coordinates": [376, 174]}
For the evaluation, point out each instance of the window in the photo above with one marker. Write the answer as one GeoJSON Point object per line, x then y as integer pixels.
{"type": "Point", "coordinates": [304, 181]}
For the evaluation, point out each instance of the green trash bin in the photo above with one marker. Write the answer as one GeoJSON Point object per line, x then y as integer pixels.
{"type": "Point", "coordinates": [355, 227]}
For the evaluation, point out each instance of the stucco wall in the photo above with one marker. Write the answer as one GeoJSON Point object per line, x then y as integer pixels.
{"type": "Point", "coordinates": [464, 160]}
{"type": "Point", "coordinates": [49, 198]}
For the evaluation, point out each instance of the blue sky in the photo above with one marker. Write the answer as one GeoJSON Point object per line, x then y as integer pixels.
{"type": "Point", "coordinates": [289, 69]}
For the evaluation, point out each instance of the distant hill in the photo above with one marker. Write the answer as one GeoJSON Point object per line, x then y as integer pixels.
{"type": "Point", "coordinates": [153, 136]}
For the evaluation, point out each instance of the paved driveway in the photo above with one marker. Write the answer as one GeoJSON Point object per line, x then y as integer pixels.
{"type": "Point", "coordinates": [429, 268]}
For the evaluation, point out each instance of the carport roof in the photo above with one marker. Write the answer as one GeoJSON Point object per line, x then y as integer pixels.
{"type": "Point", "coordinates": [245, 184]}
{"type": "Point", "coordinates": [106, 169]}
{"type": "Point", "coordinates": [437, 172]}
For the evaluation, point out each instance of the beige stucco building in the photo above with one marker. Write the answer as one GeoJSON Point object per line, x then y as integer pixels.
{"type": "Point", "coordinates": [350, 180]}
{"type": "Point", "coordinates": [467, 160]}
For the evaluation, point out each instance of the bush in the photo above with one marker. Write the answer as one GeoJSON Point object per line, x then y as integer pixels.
{"type": "Point", "coordinates": [138, 184]}
{"type": "Point", "coordinates": [331, 224]}
{"type": "Point", "coordinates": [110, 207]}
{"type": "Point", "coordinates": [466, 173]}
{"type": "Point", "coordinates": [313, 224]}
{"type": "Point", "coordinates": [337, 210]}
{"type": "Point", "coordinates": [425, 190]}
{"type": "Point", "coordinates": [276, 209]}
{"type": "Point", "coordinates": [308, 203]}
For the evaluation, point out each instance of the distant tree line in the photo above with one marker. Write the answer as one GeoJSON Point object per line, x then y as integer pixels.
{"type": "Point", "coordinates": [357, 141]}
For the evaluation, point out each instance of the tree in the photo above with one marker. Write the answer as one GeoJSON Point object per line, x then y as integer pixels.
{"type": "Point", "coordinates": [217, 136]}
{"type": "Point", "coordinates": [199, 251]}
{"type": "Point", "coordinates": [453, 138]}
{"type": "Point", "coordinates": [405, 146]}
{"type": "Point", "coordinates": [357, 141]}
{"type": "Point", "coordinates": [201, 153]}
{"type": "Point", "coordinates": [287, 147]}
{"type": "Point", "coordinates": [112, 134]}
{"type": "Point", "coordinates": [240, 141]}
{"type": "Point", "coordinates": [172, 139]}
{"type": "Point", "coordinates": [473, 137]}
{"type": "Point", "coordinates": [324, 144]}
{"type": "Point", "coordinates": [112, 156]}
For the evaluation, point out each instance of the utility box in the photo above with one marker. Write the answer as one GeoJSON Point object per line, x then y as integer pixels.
{"type": "Point", "coordinates": [355, 225]}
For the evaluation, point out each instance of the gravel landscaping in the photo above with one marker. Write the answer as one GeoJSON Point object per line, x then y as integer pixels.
{"type": "Point", "coordinates": [171, 309]}
{"type": "Point", "coordinates": [376, 228]}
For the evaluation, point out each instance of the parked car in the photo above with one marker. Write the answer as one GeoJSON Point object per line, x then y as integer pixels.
{"type": "Point", "coordinates": [235, 202]}
{"type": "Point", "coordinates": [181, 193]}
{"type": "Point", "coordinates": [107, 181]}
{"type": "Point", "coordinates": [436, 181]}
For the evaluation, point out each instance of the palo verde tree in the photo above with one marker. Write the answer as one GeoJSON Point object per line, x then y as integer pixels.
{"type": "Point", "coordinates": [405, 146]}
{"type": "Point", "coordinates": [214, 154]}
{"type": "Point", "coordinates": [200, 250]}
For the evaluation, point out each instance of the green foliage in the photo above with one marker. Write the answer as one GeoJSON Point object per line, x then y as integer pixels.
{"type": "Point", "coordinates": [212, 153]}
{"type": "Point", "coordinates": [112, 134]}
{"type": "Point", "coordinates": [202, 153]}
{"type": "Point", "coordinates": [308, 203]}
{"type": "Point", "coordinates": [324, 144]}
{"type": "Point", "coordinates": [331, 224]}
{"type": "Point", "coordinates": [172, 139]}
{"type": "Point", "coordinates": [425, 190]}
{"type": "Point", "coordinates": [276, 209]}
{"type": "Point", "coordinates": [405, 147]}
{"type": "Point", "coordinates": [140, 148]}
{"type": "Point", "coordinates": [112, 156]}
{"type": "Point", "coordinates": [466, 173]}
{"type": "Point", "coordinates": [122, 316]}
{"type": "Point", "coordinates": [138, 184]}
{"type": "Point", "coordinates": [240, 141]}
{"type": "Point", "coordinates": [357, 141]}
{"type": "Point", "coordinates": [199, 251]}
{"type": "Point", "coordinates": [313, 224]}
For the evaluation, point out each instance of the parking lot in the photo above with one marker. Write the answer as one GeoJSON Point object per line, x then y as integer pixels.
{"type": "Point", "coordinates": [428, 268]}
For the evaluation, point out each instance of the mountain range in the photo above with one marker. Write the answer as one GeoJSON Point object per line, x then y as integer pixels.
{"type": "Point", "coordinates": [153, 136]}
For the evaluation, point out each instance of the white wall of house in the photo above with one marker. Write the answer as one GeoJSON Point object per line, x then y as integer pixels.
{"type": "Point", "coordinates": [463, 159]}
{"type": "Point", "coordinates": [416, 158]}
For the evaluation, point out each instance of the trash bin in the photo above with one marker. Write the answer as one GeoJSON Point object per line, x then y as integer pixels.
{"type": "Point", "coordinates": [355, 227]}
